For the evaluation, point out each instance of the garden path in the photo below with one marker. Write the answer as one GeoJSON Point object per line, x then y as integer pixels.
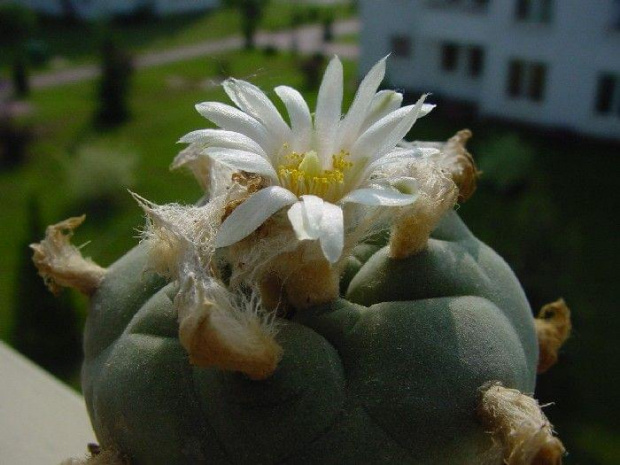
{"type": "Point", "coordinates": [307, 40]}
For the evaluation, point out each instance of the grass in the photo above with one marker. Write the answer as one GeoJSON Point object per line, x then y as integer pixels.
{"type": "Point", "coordinates": [352, 38]}
{"type": "Point", "coordinates": [79, 43]}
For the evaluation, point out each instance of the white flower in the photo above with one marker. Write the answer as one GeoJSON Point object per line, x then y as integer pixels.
{"type": "Point", "coordinates": [316, 165]}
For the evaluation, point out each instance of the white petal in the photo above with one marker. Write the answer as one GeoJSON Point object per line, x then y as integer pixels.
{"type": "Point", "coordinates": [383, 103]}
{"type": "Point", "coordinates": [404, 126]}
{"type": "Point", "coordinates": [222, 138]}
{"type": "Point", "coordinates": [299, 114]}
{"type": "Point", "coordinates": [372, 139]}
{"type": "Point", "coordinates": [387, 132]}
{"type": "Point", "coordinates": [242, 161]}
{"type": "Point", "coordinates": [426, 109]}
{"type": "Point", "coordinates": [332, 232]}
{"type": "Point", "coordinates": [399, 155]}
{"type": "Point", "coordinates": [254, 102]}
{"type": "Point", "coordinates": [380, 197]}
{"type": "Point", "coordinates": [187, 155]}
{"type": "Point", "coordinates": [248, 216]}
{"type": "Point", "coordinates": [358, 111]}
{"type": "Point", "coordinates": [233, 119]}
{"type": "Point", "coordinates": [306, 217]}
{"type": "Point", "coordinates": [313, 212]}
{"type": "Point", "coordinates": [328, 108]}
{"type": "Point", "coordinates": [296, 217]}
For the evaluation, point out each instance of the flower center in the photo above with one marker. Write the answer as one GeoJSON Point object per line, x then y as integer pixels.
{"type": "Point", "coordinates": [302, 174]}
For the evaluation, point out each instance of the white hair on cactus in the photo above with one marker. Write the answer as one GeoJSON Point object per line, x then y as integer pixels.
{"type": "Point", "coordinates": [217, 327]}
{"type": "Point", "coordinates": [525, 434]}
{"type": "Point", "coordinates": [226, 330]}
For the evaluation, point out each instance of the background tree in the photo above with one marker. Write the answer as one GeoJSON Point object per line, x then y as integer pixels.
{"type": "Point", "coordinates": [69, 11]}
{"type": "Point", "coordinates": [312, 68]}
{"type": "Point", "coordinates": [114, 86]}
{"type": "Point", "coordinates": [16, 134]}
{"type": "Point", "coordinates": [46, 328]}
{"type": "Point", "coordinates": [17, 24]}
{"type": "Point", "coordinates": [251, 14]}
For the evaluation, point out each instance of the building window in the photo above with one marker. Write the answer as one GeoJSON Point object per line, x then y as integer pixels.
{"type": "Point", "coordinates": [449, 57]}
{"type": "Point", "coordinates": [470, 5]}
{"type": "Point", "coordinates": [526, 80]}
{"type": "Point", "coordinates": [401, 46]}
{"type": "Point", "coordinates": [462, 59]}
{"type": "Point", "coordinates": [608, 95]}
{"type": "Point", "coordinates": [615, 15]}
{"type": "Point", "coordinates": [534, 11]}
{"type": "Point", "coordinates": [475, 61]}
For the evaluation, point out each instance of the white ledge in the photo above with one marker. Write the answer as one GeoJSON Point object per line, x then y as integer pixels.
{"type": "Point", "coordinates": [42, 421]}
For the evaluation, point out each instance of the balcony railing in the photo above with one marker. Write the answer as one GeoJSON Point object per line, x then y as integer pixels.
{"type": "Point", "coordinates": [42, 421]}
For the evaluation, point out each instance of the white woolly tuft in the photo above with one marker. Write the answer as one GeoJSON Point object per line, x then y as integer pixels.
{"type": "Point", "coordinates": [518, 424]}
{"type": "Point", "coordinates": [437, 194]}
{"type": "Point", "coordinates": [224, 329]}
{"type": "Point", "coordinates": [218, 327]}
{"type": "Point", "coordinates": [177, 233]}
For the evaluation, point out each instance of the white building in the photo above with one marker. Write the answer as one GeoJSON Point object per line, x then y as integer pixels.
{"type": "Point", "coordinates": [549, 62]}
{"type": "Point", "coordinates": [90, 9]}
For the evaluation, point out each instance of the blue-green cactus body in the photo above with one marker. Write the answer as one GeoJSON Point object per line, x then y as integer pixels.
{"type": "Point", "coordinates": [388, 374]}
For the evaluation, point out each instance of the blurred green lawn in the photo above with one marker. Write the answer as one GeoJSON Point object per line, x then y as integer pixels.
{"type": "Point", "coordinates": [553, 222]}
{"type": "Point", "coordinates": [79, 43]}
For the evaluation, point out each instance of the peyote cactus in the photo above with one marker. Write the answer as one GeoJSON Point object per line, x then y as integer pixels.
{"type": "Point", "coordinates": [321, 305]}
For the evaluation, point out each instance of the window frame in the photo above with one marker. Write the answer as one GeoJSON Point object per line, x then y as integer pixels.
{"type": "Point", "coordinates": [534, 11]}
{"type": "Point", "coordinates": [401, 46]}
{"type": "Point", "coordinates": [607, 98]}
{"type": "Point", "coordinates": [475, 61]}
{"type": "Point", "coordinates": [449, 57]}
{"type": "Point", "coordinates": [526, 80]}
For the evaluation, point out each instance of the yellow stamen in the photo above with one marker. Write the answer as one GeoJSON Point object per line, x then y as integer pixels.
{"type": "Point", "coordinates": [302, 174]}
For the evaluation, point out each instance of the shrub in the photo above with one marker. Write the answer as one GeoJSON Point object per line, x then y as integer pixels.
{"type": "Point", "coordinates": [98, 178]}
{"type": "Point", "coordinates": [506, 163]}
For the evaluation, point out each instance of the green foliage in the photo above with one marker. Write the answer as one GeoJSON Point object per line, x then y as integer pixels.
{"type": "Point", "coordinates": [17, 23]}
{"type": "Point", "coordinates": [98, 178]}
{"type": "Point", "coordinates": [506, 162]}
{"type": "Point", "coordinates": [114, 85]}
{"type": "Point", "coordinates": [46, 328]}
